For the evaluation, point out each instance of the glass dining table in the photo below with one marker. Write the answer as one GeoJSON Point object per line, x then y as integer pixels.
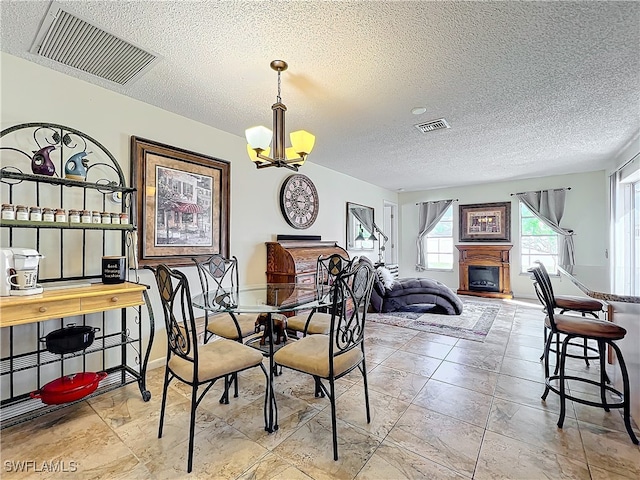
{"type": "Point", "coordinates": [269, 298]}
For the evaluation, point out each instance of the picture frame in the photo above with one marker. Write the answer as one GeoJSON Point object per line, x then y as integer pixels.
{"type": "Point", "coordinates": [485, 222]}
{"type": "Point", "coordinates": [182, 203]}
{"type": "Point", "coordinates": [358, 235]}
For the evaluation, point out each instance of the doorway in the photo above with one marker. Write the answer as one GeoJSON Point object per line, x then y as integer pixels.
{"type": "Point", "coordinates": [390, 228]}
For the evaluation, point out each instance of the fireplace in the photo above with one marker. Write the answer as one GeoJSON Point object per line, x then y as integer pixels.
{"type": "Point", "coordinates": [484, 279]}
{"type": "Point", "coordinates": [484, 270]}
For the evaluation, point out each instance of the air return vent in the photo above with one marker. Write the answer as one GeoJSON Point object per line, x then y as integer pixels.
{"type": "Point", "coordinates": [70, 40]}
{"type": "Point", "coordinates": [439, 124]}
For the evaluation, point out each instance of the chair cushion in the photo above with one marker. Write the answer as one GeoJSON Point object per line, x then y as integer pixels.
{"type": "Point", "coordinates": [223, 325]}
{"type": "Point", "coordinates": [320, 323]}
{"type": "Point", "coordinates": [577, 304]}
{"type": "Point", "coordinates": [311, 355]}
{"type": "Point", "coordinates": [587, 327]}
{"type": "Point", "coordinates": [217, 359]}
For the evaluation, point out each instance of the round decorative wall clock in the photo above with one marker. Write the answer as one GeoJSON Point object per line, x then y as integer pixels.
{"type": "Point", "coordinates": [299, 201]}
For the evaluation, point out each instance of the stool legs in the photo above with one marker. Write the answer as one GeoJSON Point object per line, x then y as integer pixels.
{"type": "Point", "coordinates": [626, 409]}
{"type": "Point", "coordinates": [562, 378]}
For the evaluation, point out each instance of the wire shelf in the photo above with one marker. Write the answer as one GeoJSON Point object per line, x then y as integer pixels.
{"type": "Point", "coordinates": [26, 409]}
{"type": "Point", "coordinates": [44, 357]}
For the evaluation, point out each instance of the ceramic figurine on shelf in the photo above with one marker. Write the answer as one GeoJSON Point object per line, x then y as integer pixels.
{"type": "Point", "coordinates": [41, 164]}
{"type": "Point", "coordinates": [76, 166]}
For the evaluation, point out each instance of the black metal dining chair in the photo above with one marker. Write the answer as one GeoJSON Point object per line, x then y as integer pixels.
{"type": "Point", "coordinates": [187, 361]}
{"type": "Point", "coordinates": [219, 273]}
{"type": "Point", "coordinates": [330, 357]}
{"type": "Point", "coordinates": [603, 333]}
{"type": "Point", "coordinates": [318, 321]}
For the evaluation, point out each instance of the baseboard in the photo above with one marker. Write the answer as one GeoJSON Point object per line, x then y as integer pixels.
{"type": "Point", "coordinates": [153, 364]}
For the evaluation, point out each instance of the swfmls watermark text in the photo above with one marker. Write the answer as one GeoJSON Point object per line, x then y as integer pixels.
{"type": "Point", "coordinates": [52, 466]}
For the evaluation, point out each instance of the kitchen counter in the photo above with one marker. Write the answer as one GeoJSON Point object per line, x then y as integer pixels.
{"type": "Point", "coordinates": [580, 275]}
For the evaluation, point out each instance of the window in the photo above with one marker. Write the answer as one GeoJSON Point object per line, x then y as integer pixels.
{"type": "Point", "coordinates": [440, 243]}
{"type": "Point", "coordinates": [626, 230]}
{"type": "Point", "coordinates": [537, 242]}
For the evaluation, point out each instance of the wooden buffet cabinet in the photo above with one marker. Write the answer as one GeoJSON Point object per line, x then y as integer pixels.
{"type": "Point", "coordinates": [295, 261]}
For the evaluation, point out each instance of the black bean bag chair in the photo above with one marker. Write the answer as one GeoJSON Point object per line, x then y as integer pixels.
{"type": "Point", "coordinates": [415, 294]}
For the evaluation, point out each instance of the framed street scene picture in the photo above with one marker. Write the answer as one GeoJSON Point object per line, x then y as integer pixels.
{"type": "Point", "coordinates": [485, 222]}
{"type": "Point", "coordinates": [182, 203]}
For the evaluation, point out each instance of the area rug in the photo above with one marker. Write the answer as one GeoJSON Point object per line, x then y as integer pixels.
{"type": "Point", "coordinates": [472, 324]}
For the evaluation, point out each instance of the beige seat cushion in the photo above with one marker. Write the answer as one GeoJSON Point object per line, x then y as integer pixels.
{"type": "Point", "coordinates": [587, 327]}
{"type": "Point", "coordinates": [217, 359]}
{"type": "Point", "coordinates": [223, 325]}
{"type": "Point", "coordinates": [570, 302]}
{"type": "Point", "coordinates": [320, 323]}
{"type": "Point", "coordinates": [311, 355]}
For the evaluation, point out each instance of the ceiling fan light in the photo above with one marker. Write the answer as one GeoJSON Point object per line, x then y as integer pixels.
{"type": "Point", "coordinates": [302, 142]}
{"type": "Point", "coordinates": [258, 137]}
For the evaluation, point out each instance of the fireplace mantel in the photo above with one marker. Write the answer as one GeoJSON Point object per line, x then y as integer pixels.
{"type": "Point", "coordinates": [488, 256]}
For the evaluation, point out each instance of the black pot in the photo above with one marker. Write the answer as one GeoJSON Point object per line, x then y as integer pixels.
{"type": "Point", "coordinates": [72, 338]}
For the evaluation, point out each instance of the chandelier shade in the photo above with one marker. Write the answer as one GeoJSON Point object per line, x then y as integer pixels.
{"type": "Point", "coordinates": [261, 141]}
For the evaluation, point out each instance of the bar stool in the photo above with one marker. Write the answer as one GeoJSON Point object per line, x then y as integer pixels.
{"type": "Point", "coordinates": [604, 333]}
{"type": "Point", "coordinates": [571, 303]}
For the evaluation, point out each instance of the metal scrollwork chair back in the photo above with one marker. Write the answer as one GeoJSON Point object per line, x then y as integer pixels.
{"type": "Point", "coordinates": [332, 356]}
{"type": "Point", "coordinates": [318, 321]}
{"type": "Point", "coordinates": [187, 361]}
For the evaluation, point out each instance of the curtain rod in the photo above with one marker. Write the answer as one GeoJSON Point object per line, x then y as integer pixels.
{"type": "Point", "coordinates": [436, 201]}
{"type": "Point", "coordinates": [554, 189]}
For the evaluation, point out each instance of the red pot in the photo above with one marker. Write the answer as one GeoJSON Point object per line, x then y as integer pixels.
{"type": "Point", "coordinates": [69, 388]}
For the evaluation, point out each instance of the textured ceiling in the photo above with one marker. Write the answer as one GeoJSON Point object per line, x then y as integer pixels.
{"type": "Point", "coordinates": [528, 88]}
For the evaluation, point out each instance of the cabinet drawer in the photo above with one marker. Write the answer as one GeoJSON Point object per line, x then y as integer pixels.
{"type": "Point", "coordinates": [26, 313]}
{"type": "Point", "coordinates": [307, 279]}
{"type": "Point", "coordinates": [111, 301]}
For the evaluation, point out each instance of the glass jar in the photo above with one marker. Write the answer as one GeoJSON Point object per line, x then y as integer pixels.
{"type": "Point", "coordinates": [8, 212]}
{"type": "Point", "coordinates": [22, 213]}
{"type": "Point", "coordinates": [115, 218]}
{"type": "Point", "coordinates": [74, 216]}
{"type": "Point", "coordinates": [106, 218]}
{"type": "Point", "coordinates": [35, 214]}
{"type": "Point", "coordinates": [95, 217]}
{"type": "Point", "coordinates": [124, 218]}
{"type": "Point", "coordinates": [48, 215]}
{"type": "Point", "coordinates": [86, 217]}
{"type": "Point", "coordinates": [61, 215]}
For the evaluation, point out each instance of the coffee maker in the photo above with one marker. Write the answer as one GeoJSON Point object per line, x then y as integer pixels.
{"type": "Point", "coordinates": [19, 272]}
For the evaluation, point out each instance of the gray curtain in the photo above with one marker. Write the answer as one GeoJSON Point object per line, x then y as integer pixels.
{"type": "Point", "coordinates": [548, 206]}
{"type": "Point", "coordinates": [429, 216]}
{"type": "Point", "coordinates": [364, 216]}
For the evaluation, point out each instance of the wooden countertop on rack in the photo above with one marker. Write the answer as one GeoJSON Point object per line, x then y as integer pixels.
{"type": "Point", "coordinates": [68, 302]}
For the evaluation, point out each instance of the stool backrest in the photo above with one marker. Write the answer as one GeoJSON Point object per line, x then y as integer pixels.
{"type": "Point", "coordinates": [544, 293]}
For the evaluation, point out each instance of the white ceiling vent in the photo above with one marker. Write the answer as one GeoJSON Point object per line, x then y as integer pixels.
{"type": "Point", "coordinates": [70, 40]}
{"type": "Point", "coordinates": [439, 124]}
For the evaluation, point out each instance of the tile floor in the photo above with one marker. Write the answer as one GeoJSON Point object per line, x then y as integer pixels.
{"type": "Point", "coordinates": [441, 408]}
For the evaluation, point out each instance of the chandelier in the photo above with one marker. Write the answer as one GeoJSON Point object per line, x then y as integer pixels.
{"type": "Point", "coordinates": [259, 138]}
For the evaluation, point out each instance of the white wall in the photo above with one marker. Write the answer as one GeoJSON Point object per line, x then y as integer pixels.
{"type": "Point", "coordinates": [30, 93]}
{"type": "Point", "coordinates": [585, 213]}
